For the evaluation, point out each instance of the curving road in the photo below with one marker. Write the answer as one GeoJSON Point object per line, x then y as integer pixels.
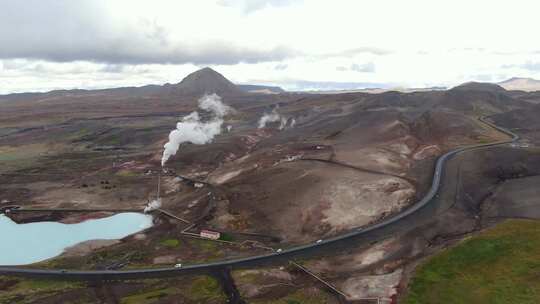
{"type": "Point", "coordinates": [261, 259]}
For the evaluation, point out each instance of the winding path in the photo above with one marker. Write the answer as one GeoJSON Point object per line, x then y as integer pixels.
{"type": "Point", "coordinates": [261, 259]}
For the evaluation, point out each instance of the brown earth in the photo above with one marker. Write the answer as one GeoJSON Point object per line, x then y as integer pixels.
{"type": "Point", "coordinates": [352, 159]}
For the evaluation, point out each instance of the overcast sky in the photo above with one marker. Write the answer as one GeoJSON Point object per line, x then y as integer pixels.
{"type": "Point", "coordinates": [297, 44]}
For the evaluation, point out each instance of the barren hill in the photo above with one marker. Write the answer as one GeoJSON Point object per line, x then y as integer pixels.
{"type": "Point", "coordinates": [521, 84]}
{"type": "Point", "coordinates": [204, 81]}
{"type": "Point", "coordinates": [479, 86]}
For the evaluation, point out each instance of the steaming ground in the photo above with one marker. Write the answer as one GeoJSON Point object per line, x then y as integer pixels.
{"type": "Point", "coordinates": [191, 129]}
{"type": "Point", "coordinates": [264, 180]}
{"type": "Point", "coordinates": [275, 116]}
{"type": "Point", "coordinates": [339, 162]}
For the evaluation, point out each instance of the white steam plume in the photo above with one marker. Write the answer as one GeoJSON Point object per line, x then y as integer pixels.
{"type": "Point", "coordinates": [274, 116]}
{"type": "Point", "coordinates": [293, 123]}
{"type": "Point", "coordinates": [282, 122]}
{"type": "Point", "coordinates": [153, 205]}
{"type": "Point", "coordinates": [191, 129]}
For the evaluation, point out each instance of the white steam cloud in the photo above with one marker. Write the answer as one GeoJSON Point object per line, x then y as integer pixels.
{"type": "Point", "coordinates": [293, 123]}
{"type": "Point", "coordinates": [191, 129]}
{"type": "Point", "coordinates": [275, 116]}
{"type": "Point", "coordinates": [153, 205]}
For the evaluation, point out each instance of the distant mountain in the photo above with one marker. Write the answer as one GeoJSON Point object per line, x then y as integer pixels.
{"type": "Point", "coordinates": [196, 84]}
{"type": "Point", "coordinates": [521, 84]}
{"type": "Point", "coordinates": [479, 86]}
{"type": "Point", "coordinates": [480, 97]}
{"type": "Point", "coordinates": [378, 90]}
{"type": "Point", "coordinates": [204, 81]}
{"type": "Point", "coordinates": [262, 89]}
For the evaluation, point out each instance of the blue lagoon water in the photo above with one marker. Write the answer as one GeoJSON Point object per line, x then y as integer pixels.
{"type": "Point", "coordinates": [33, 242]}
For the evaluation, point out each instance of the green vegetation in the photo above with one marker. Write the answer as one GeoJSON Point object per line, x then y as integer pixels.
{"type": "Point", "coordinates": [9, 156]}
{"type": "Point", "coordinates": [248, 276]}
{"type": "Point", "coordinates": [206, 250]}
{"type": "Point", "coordinates": [126, 173]}
{"type": "Point", "coordinates": [205, 245]}
{"type": "Point", "coordinates": [113, 139]}
{"type": "Point", "coordinates": [136, 257]}
{"type": "Point", "coordinates": [171, 243]}
{"type": "Point", "coordinates": [79, 134]}
{"type": "Point", "coordinates": [501, 265]}
{"type": "Point", "coordinates": [226, 237]}
{"type": "Point", "coordinates": [300, 297]}
{"type": "Point", "coordinates": [484, 141]}
{"type": "Point", "coordinates": [149, 296]}
{"type": "Point", "coordinates": [19, 157]}
{"type": "Point", "coordinates": [203, 289]}
{"type": "Point", "coordinates": [16, 290]}
{"type": "Point", "coordinates": [206, 289]}
{"type": "Point", "coordinates": [122, 253]}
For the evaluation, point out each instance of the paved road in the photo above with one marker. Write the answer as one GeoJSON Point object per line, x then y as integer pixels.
{"type": "Point", "coordinates": [19, 209]}
{"type": "Point", "coordinates": [282, 256]}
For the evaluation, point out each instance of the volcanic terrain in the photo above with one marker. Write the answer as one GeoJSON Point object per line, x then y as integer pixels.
{"type": "Point", "coordinates": [330, 163]}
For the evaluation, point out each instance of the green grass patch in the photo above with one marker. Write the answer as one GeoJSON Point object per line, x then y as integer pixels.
{"type": "Point", "coordinates": [226, 237]}
{"type": "Point", "coordinates": [248, 277]}
{"type": "Point", "coordinates": [79, 134]}
{"type": "Point", "coordinates": [25, 156]}
{"type": "Point", "coordinates": [30, 290]}
{"type": "Point", "coordinates": [206, 289]}
{"type": "Point", "coordinates": [299, 297]}
{"type": "Point", "coordinates": [484, 141]}
{"type": "Point", "coordinates": [113, 140]}
{"type": "Point", "coordinates": [126, 173]}
{"type": "Point", "coordinates": [149, 297]}
{"type": "Point", "coordinates": [500, 265]}
{"type": "Point", "coordinates": [123, 253]}
{"type": "Point", "coordinates": [205, 245]}
{"type": "Point", "coordinates": [171, 243]}
{"type": "Point", "coordinates": [5, 156]}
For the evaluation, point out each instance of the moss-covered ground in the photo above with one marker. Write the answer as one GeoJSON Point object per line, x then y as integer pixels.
{"type": "Point", "coordinates": [500, 265]}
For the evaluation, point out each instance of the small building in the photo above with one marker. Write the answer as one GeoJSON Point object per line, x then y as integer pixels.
{"type": "Point", "coordinates": [208, 234]}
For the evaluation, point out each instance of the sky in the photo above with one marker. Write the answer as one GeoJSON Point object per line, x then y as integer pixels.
{"type": "Point", "coordinates": [296, 44]}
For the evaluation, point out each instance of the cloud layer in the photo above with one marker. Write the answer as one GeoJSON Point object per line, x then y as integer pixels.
{"type": "Point", "coordinates": [85, 30]}
{"type": "Point", "coordinates": [315, 44]}
{"type": "Point", "coordinates": [249, 6]}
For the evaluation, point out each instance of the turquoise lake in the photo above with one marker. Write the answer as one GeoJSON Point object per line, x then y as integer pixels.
{"type": "Point", "coordinates": [33, 242]}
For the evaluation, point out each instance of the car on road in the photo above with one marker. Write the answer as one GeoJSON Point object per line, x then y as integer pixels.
{"type": "Point", "coordinates": [318, 241]}
{"type": "Point", "coordinates": [178, 266]}
{"type": "Point", "coordinates": [279, 250]}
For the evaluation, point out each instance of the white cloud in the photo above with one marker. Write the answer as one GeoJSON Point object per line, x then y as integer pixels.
{"type": "Point", "coordinates": [249, 6]}
{"type": "Point", "coordinates": [64, 31]}
{"type": "Point", "coordinates": [104, 43]}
